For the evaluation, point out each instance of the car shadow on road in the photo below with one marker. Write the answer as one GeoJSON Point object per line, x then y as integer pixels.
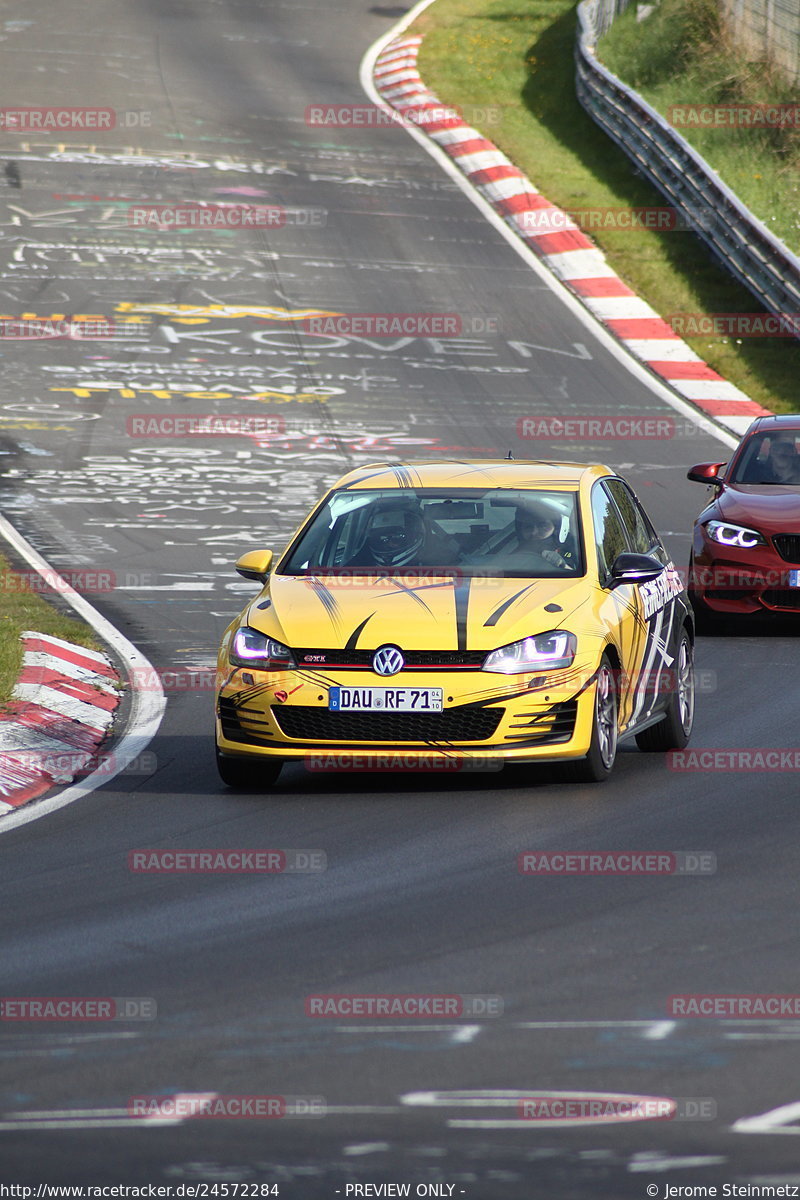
{"type": "Point", "coordinates": [766, 626]}
{"type": "Point", "coordinates": [184, 766]}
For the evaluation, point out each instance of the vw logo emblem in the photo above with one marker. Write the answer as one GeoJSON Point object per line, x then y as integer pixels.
{"type": "Point", "coordinates": [387, 661]}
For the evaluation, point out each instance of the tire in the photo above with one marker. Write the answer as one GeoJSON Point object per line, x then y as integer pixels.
{"type": "Point", "coordinates": [598, 763]}
{"type": "Point", "coordinates": [246, 774]}
{"type": "Point", "coordinates": [675, 728]}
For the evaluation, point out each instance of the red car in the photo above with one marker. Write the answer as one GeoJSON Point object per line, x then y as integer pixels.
{"type": "Point", "coordinates": [746, 546]}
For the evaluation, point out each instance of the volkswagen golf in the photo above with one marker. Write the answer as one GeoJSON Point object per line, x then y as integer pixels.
{"type": "Point", "coordinates": [492, 611]}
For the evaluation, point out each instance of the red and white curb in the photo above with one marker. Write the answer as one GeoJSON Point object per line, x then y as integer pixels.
{"type": "Point", "coordinates": [563, 246]}
{"type": "Point", "coordinates": [61, 709]}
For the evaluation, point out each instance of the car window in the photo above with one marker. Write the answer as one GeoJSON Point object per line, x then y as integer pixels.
{"type": "Point", "coordinates": [609, 532]}
{"type": "Point", "coordinates": [770, 459]}
{"type": "Point", "coordinates": [642, 538]}
{"type": "Point", "coordinates": [521, 533]}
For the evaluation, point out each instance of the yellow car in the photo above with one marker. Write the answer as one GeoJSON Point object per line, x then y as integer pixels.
{"type": "Point", "coordinates": [481, 612]}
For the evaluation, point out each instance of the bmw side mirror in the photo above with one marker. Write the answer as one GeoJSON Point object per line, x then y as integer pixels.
{"type": "Point", "coordinates": [255, 565]}
{"type": "Point", "coordinates": [634, 568]}
{"type": "Point", "coordinates": [706, 472]}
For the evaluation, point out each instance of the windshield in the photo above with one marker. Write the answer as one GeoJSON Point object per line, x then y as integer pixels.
{"type": "Point", "coordinates": [497, 531]}
{"type": "Point", "coordinates": [772, 459]}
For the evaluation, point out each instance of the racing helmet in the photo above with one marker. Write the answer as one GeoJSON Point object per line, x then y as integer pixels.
{"type": "Point", "coordinates": [395, 534]}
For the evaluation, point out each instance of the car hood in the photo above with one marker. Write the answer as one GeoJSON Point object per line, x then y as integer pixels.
{"type": "Point", "coordinates": [437, 613]}
{"type": "Point", "coordinates": [771, 508]}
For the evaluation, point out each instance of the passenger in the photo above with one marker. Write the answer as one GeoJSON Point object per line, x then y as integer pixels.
{"type": "Point", "coordinates": [534, 534]}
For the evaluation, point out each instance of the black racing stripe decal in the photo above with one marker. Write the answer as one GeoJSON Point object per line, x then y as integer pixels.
{"type": "Point", "coordinates": [418, 587]}
{"type": "Point", "coordinates": [256, 693]}
{"type": "Point", "coordinates": [384, 467]}
{"type": "Point", "coordinates": [403, 589]}
{"type": "Point", "coordinates": [401, 475]}
{"type": "Point", "coordinates": [498, 612]}
{"type": "Point", "coordinates": [461, 594]}
{"type": "Point", "coordinates": [504, 699]}
{"type": "Point", "coordinates": [472, 468]}
{"type": "Point", "coordinates": [352, 641]}
{"type": "Point", "coordinates": [326, 597]}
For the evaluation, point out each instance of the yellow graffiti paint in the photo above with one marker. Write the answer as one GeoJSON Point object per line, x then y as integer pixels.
{"type": "Point", "coordinates": [84, 392]}
{"type": "Point", "coordinates": [193, 313]}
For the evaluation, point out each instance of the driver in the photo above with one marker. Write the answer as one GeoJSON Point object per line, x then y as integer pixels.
{"type": "Point", "coordinates": [395, 537]}
{"type": "Point", "coordinates": [784, 463]}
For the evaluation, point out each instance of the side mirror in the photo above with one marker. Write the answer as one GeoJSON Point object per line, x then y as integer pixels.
{"type": "Point", "coordinates": [255, 565]}
{"type": "Point", "coordinates": [634, 568]}
{"type": "Point", "coordinates": [706, 472]}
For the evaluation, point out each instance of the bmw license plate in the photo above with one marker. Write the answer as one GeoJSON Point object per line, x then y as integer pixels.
{"type": "Point", "coordinates": [380, 699]}
{"type": "Point", "coordinates": [794, 579]}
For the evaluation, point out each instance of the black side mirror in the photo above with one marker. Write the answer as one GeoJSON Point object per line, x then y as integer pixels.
{"type": "Point", "coordinates": [634, 568]}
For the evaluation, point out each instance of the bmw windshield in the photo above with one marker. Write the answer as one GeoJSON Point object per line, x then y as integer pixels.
{"type": "Point", "coordinates": [770, 459]}
{"type": "Point", "coordinates": [496, 532]}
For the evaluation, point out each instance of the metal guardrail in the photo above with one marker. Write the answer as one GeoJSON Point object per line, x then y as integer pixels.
{"type": "Point", "coordinates": [736, 237]}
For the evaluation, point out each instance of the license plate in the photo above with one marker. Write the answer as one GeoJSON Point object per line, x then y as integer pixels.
{"type": "Point", "coordinates": [794, 579]}
{"type": "Point", "coordinates": [379, 699]}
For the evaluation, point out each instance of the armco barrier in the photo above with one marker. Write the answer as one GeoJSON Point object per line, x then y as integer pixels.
{"type": "Point", "coordinates": [739, 240]}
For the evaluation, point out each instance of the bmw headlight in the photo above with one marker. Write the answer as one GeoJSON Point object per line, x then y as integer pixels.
{"type": "Point", "coordinates": [249, 648]}
{"type": "Point", "coordinates": [734, 535]}
{"type": "Point", "coordinates": [544, 652]}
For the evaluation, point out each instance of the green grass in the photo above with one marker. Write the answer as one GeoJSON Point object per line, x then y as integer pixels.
{"type": "Point", "coordinates": [516, 58]}
{"type": "Point", "coordinates": [23, 608]}
{"type": "Point", "coordinates": [679, 56]}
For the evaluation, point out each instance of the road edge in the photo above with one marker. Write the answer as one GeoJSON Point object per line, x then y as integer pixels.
{"type": "Point", "coordinates": [61, 711]}
{"type": "Point", "coordinates": [147, 699]}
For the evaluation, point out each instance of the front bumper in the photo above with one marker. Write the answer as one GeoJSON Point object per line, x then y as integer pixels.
{"type": "Point", "coordinates": [734, 581]}
{"type": "Point", "coordinates": [486, 718]}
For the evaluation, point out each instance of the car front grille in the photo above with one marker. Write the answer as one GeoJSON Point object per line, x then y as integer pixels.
{"type": "Point", "coordinates": [788, 546]}
{"type": "Point", "coordinates": [416, 660]}
{"type": "Point", "coordinates": [462, 724]}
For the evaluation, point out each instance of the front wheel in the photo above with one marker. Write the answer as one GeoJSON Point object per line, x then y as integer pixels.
{"type": "Point", "coordinates": [599, 761]}
{"type": "Point", "coordinates": [675, 729]}
{"type": "Point", "coordinates": [246, 774]}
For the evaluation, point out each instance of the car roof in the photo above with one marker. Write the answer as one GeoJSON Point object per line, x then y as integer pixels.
{"type": "Point", "coordinates": [473, 473]}
{"type": "Point", "coordinates": [774, 422]}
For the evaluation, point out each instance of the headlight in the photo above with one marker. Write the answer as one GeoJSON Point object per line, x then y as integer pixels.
{"type": "Point", "coordinates": [544, 652]}
{"type": "Point", "coordinates": [734, 535]}
{"type": "Point", "coordinates": [249, 648]}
